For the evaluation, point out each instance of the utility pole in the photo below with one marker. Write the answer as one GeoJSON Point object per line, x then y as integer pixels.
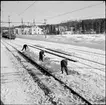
{"type": "Point", "coordinates": [33, 22]}
{"type": "Point", "coordinates": [28, 24]}
{"type": "Point", "coordinates": [9, 25]}
{"type": "Point", "coordinates": [2, 18]}
{"type": "Point", "coordinates": [45, 26]}
{"type": "Point", "coordinates": [28, 28]}
{"type": "Point", "coordinates": [22, 26]}
{"type": "Point", "coordinates": [13, 30]}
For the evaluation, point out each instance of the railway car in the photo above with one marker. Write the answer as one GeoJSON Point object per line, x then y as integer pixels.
{"type": "Point", "coordinates": [8, 35]}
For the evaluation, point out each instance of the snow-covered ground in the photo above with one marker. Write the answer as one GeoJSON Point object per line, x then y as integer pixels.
{"type": "Point", "coordinates": [17, 86]}
{"type": "Point", "coordinates": [70, 49]}
{"type": "Point", "coordinates": [59, 95]}
{"type": "Point", "coordinates": [89, 82]}
{"type": "Point", "coordinates": [96, 41]}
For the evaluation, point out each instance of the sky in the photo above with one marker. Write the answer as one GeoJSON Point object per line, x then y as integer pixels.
{"type": "Point", "coordinates": [41, 10]}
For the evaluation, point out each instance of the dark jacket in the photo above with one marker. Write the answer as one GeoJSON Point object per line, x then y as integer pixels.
{"type": "Point", "coordinates": [25, 46]}
{"type": "Point", "coordinates": [41, 54]}
{"type": "Point", "coordinates": [64, 63]}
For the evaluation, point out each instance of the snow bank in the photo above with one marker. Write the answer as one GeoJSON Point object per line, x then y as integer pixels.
{"type": "Point", "coordinates": [87, 87]}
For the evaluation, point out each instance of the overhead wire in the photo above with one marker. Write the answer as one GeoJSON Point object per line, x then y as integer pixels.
{"type": "Point", "coordinates": [43, 23]}
{"type": "Point", "coordinates": [27, 8]}
{"type": "Point", "coordinates": [63, 13]}
{"type": "Point", "coordinates": [74, 11]}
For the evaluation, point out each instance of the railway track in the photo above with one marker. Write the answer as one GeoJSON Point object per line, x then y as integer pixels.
{"type": "Point", "coordinates": [64, 55]}
{"type": "Point", "coordinates": [46, 72]}
{"type": "Point", "coordinates": [88, 52]}
{"type": "Point", "coordinates": [57, 53]}
{"type": "Point", "coordinates": [76, 67]}
{"type": "Point", "coordinates": [69, 55]}
{"type": "Point", "coordinates": [75, 58]}
{"type": "Point", "coordinates": [83, 51]}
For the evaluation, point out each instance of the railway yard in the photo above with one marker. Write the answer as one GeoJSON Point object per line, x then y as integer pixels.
{"type": "Point", "coordinates": [53, 53]}
{"type": "Point", "coordinates": [26, 80]}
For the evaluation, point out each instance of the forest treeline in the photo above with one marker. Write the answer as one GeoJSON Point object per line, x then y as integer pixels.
{"type": "Point", "coordinates": [88, 26]}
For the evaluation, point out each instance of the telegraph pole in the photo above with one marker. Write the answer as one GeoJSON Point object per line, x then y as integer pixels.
{"type": "Point", "coordinates": [22, 26]}
{"type": "Point", "coordinates": [33, 22]}
{"type": "Point", "coordinates": [45, 26]}
{"type": "Point", "coordinates": [28, 24]}
{"type": "Point", "coordinates": [13, 31]}
{"type": "Point", "coordinates": [9, 24]}
{"type": "Point", "coordinates": [2, 18]}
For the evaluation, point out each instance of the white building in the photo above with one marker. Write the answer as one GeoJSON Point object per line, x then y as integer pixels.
{"type": "Point", "coordinates": [27, 31]}
{"type": "Point", "coordinates": [36, 30]}
{"type": "Point", "coordinates": [17, 31]}
{"type": "Point", "coordinates": [68, 32]}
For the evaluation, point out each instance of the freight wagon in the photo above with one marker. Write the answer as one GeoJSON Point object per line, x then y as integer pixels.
{"type": "Point", "coordinates": [8, 35]}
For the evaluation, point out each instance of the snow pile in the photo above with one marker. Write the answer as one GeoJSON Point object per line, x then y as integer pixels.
{"type": "Point", "coordinates": [58, 91]}
{"type": "Point", "coordinates": [85, 86]}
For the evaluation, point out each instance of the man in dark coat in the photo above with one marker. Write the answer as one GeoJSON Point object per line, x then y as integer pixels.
{"type": "Point", "coordinates": [64, 66]}
{"type": "Point", "coordinates": [41, 55]}
{"type": "Point", "coordinates": [25, 46]}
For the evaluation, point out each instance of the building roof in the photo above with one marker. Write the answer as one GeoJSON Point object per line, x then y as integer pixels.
{"type": "Point", "coordinates": [37, 27]}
